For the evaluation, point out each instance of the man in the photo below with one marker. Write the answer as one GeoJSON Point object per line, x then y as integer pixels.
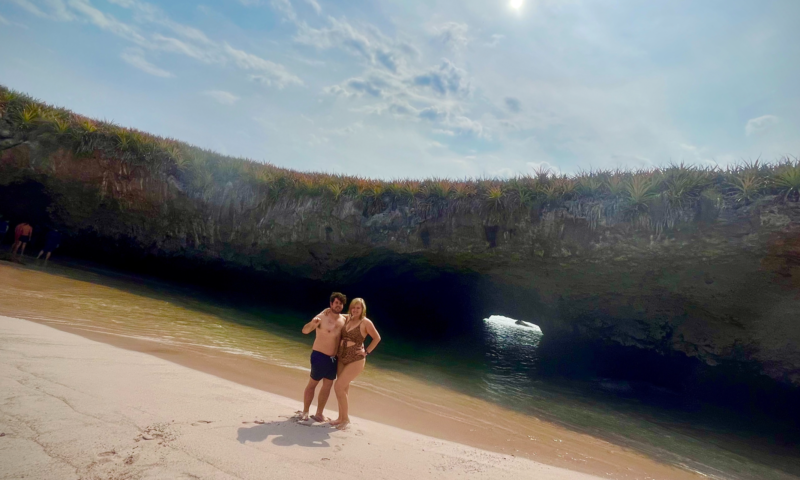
{"type": "Point", "coordinates": [22, 235]}
{"type": "Point", "coordinates": [51, 242]}
{"type": "Point", "coordinates": [328, 327]}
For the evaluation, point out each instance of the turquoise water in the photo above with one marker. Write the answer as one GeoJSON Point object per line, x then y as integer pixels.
{"type": "Point", "coordinates": [499, 364]}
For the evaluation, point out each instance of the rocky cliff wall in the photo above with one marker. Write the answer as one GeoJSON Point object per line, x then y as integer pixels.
{"type": "Point", "coordinates": [715, 280]}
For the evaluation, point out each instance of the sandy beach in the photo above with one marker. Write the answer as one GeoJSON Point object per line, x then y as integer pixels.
{"type": "Point", "coordinates": [75, 408]}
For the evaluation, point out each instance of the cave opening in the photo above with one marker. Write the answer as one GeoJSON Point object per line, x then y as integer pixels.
{"type": "Point", "coordinates": [26, 202]}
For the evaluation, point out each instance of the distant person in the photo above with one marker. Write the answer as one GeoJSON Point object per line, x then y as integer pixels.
{"type": "Point", "coordinates": [3, 228]}
{"type": "Point", "coordinates": [22, 235]}
{"type": "Point", "coordinates": [328, 326]}
{"type": "Point", "coordinates": [51, 242]}
{"type": "Point", "coordinates": [352, 355]}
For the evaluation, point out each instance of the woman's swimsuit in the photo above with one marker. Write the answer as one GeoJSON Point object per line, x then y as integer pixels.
{"type": "Point", "coordinates": [353, 352]}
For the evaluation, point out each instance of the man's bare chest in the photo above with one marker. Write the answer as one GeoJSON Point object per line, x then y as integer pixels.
{"type": "Point", "coordinates": [330, 326]}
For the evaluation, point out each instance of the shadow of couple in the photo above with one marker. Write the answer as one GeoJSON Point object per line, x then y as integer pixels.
{"type": "Point", "coordinates": [287, 433]}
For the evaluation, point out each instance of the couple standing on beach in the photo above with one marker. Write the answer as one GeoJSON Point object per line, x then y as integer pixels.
{"type": "Point", "coordinates": [338, 354]}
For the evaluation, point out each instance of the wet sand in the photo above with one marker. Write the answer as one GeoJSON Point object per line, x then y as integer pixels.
{"type": "Point", "coordinates": [424, 409]}
{"type": "Point", "coordinates": [74, 408]}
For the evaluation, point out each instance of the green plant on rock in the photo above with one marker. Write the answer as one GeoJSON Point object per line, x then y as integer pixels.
{"type": "Point", "coordinates": [123, 140]}
{"type": "Point", "coordinates": [787, 180]}
{"type": "Point", "coordinates": [87, 127]}
{"type": "Point", "coordinates": [550, 191]}
{"type": "Point", "coordinates": [181, 163]}
{"type": "Point", "coordinates": [463, 190]}
{"type": "Point", "coordinates": [494, 198]}
{"type": "Point", "coordinates": [410, 189]}
{"type": "Point", "coordinates": [336, 190]}
{"type": "Point", "coordinates": [683, 185]}
{"type": "Point", "coordinates": [60, 126]}
{"type": "Point", "coordinates": [6, 98]}
{"type": "Point", "coordinates": [542, 173]}
{"type": "Point", "coordinates": [29, 116]}
{"type": "Point", "coordinates": [86, 138]}
{"type": "Point", "coordinates": [376, 190]}
{"type": "Point", "coordinates": [521, 191]}
{"type": "Point", "coordinates": [639, 190]}
{"type": "Point", "coordinates": [436, 189]}
{"type": "Point", "coordinates": [590, 184]}
{"type": "Point", "coordinates": [616, 185]}
{"type": "Point", "coordinates": [566, 186]}
{"type": "Point", "coordinates": [746, 186]}
{"type": "Point", "coordinates": [394, 190]}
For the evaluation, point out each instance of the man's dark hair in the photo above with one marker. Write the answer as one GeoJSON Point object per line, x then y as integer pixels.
{"type": "Point", "coordinates": [340, 296]}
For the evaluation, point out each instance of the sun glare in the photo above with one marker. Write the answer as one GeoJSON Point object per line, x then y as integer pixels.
{"type": "Point", "coordinates": [516, 4]}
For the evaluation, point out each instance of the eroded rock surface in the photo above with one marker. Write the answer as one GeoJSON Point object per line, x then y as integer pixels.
{"type": "Point", "coordinates": [714, 280]}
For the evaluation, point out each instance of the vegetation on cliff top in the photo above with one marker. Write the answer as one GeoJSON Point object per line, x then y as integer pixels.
{"type": "Point", "coordinates": [130, 157]}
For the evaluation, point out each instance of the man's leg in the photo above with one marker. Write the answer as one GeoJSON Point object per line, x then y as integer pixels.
{"type": "Point", "coordinates": [40, 255]}
{"type": "Point", "coordinates": [14, 248]}
{"type": "Point", "coordinates": [308, 396]}
{"type": "Point", "coordinates": [322, 400]}
{"type": "Point", "coordinates": [22, 253]}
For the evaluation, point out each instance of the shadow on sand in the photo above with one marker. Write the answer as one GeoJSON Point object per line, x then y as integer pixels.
{"type": "Point", "coordinates": [287, 433]}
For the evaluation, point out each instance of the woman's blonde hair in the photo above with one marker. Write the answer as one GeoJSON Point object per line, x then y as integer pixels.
{"type": "Point", "coordinates": [363, 308]}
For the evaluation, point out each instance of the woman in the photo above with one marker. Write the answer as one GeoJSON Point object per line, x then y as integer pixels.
{"type": "Point", "coordinates": [352, 355]}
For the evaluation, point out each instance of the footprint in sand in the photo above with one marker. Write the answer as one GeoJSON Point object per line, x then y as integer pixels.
{"type": "Point", "coordinates": [107, 454]}
{"type": "Point", "coordinates": [204, 421]}
{"type": "Point", "coordinates": [337, 448]}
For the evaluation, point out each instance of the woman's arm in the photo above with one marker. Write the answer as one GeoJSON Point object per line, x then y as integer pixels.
{"type": "Point", "coordinates": [372, 332]}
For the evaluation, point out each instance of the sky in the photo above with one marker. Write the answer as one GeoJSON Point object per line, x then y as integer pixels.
{"type": "Point", "coordinates": [425, 88]}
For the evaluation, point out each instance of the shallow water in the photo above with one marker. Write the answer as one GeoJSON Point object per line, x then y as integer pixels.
{"type": "Point", "coordinates": [498, 365]}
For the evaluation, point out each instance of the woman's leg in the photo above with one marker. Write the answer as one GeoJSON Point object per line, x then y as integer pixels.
{"type": "Point", "coordinates": [342, 389]}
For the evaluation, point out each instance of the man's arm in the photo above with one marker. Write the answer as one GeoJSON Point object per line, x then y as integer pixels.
{"type": "Point", "coordinates": [311, 326]}
{"type": "Point", "coordinates": [314, 323]}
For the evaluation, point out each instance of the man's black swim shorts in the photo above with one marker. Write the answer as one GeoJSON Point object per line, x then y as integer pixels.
{"type": "Point", "coordinates": [322, 366]}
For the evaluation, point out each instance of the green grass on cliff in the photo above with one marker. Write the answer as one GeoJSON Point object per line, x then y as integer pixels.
{"type": "Point", "coordinates": [145, 157]}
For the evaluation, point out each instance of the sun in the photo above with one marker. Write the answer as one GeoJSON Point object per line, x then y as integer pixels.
{"type": "Point", "coordinates": [517, 4]}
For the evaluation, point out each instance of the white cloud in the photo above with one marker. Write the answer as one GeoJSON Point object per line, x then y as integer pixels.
{"type": "Point", "coordinates": [447, 78]}
{"type": "Point", "coordinates": [199, 52]}
{"type": "Point", "coordinates": [271, 73]}
{"type": "Point", "coordinates": [348, 130]}
{"type": "Point", "coordinates": [56, 9]}
{"type": "Point", "coordinates": [371, 44]}
{"type": "Point", "coordinates": [513, 104]}
{"type": "Point", "coordinates": [495, 40]}
{"type": "Point", "coordinates": [452, 34]}
{"type": "Point", "coordinates": [4, 21]}
{"type": "Point", "coordinates": [317, 140]}
{"type": "Point", "coordinates": [285, 7]}
{"type": "Point", "coordinates": [760, 124]}
{"type": "Point", "coordinates": [315, 5]}
{"type": "Point", "coordinates": [136, 59]}
{"type": "Point", "coordinates": [107, 22]}
{"type": "Point", "coordinates": [192, 42]}
{"type": "Point", "coordinates": [221, 96]}
{"type": "Point", "coordinates": [30, 7]}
